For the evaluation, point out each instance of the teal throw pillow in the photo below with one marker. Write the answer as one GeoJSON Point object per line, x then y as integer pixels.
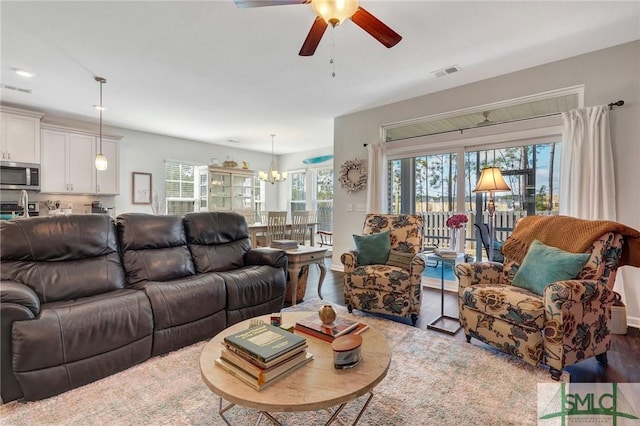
{"type": "Point", "coordinates": [544, 265]}
{"type": "Point", "coordinates": [373, 249]}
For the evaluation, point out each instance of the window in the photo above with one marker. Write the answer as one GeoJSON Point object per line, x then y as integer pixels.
{"type": "Point", "coordinates": [203, 188]}
{"type": "Point", "coordinates": [324, 198]}
{"type": "Point", "coordinates": [298, 190]}
{"type": "Point", "coordinates": [182, 187]}
{"type": "Point", "coordinates": [436, 186]}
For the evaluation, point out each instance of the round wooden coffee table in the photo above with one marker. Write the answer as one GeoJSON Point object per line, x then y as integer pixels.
{"type": "Point", "coordinates": [315, 386]}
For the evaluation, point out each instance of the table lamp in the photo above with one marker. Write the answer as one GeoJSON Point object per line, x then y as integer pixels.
{"type": "Point", "coordinates": [491, 181]}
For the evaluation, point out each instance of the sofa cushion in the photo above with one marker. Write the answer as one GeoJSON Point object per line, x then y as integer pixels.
{"type": "Point", "coordinates": [154, 248]}
{"type": "Point", "coordinates": [186, 310]}
{"type": "Point", "coordinates": [253, 290]}
{"type": "Point", "coordinates": [62, 257]}
{"type": "Point", "coordinates": [218, 241]}
{"type": "Point", "coordinates": [400, 259]}
{"type": "Point", "coordinates": [74, 342]}
{"type": "Point", "coordinates": [544, 265]}
{"type": "Point", "coordinates": [372, 249]}
{"type": "Point", "coordinates": [514, 305]}
{"type": "Point", "coordinates": [381, 278]}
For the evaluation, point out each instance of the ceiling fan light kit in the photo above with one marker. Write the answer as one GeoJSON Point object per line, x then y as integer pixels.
{"type": "Point", "coordinates": [333, 12]}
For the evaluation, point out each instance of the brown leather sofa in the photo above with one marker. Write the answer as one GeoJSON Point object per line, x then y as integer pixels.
{"type": "Point", "coordinates": [84, 296]}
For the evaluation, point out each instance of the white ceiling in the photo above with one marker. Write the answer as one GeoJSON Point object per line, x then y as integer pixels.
{"type": "Point", "coordinates": [211, 72]}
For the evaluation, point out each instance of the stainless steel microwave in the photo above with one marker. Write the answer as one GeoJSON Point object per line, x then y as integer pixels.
{"type": "Point", "coordinates": [19, 176]}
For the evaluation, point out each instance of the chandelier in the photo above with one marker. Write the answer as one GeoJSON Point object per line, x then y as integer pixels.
{"type": "Point", "coordinates": [101, 159]}
{"type": "Point", "coordinates": [273, 175]}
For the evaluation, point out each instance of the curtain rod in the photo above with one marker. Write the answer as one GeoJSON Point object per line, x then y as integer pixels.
{"type": "Point", "coordinates": [610, 105]}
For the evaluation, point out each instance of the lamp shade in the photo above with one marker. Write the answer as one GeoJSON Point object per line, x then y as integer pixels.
{"type": "Point", "coordinates": [334, 12]}
{"type": "Point", "coordinates": [491, 180]}
{"type": "Point", "coordinates": [101, 162]}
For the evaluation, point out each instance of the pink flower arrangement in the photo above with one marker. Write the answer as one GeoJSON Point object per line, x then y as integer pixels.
{"type": "Point", "coordinates": [457, 221]}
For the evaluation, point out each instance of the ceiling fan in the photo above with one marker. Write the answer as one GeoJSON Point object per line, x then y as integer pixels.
{"type": "Point", "coordinates": [486, 121]}
{"type": "Point", "coordinates": [333, 12]}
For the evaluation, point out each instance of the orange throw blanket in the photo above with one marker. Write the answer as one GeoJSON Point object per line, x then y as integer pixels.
{"type": "Point", "coordinates": [569, 234]}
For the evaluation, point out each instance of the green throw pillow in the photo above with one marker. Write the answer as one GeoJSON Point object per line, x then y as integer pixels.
{"type": "Point", "coordinates": [544, 265]}
{"type": "Point", "coordinates": [373, 249]}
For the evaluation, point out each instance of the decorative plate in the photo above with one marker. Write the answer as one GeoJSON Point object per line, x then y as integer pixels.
{"type": "Point", "coordinates": [353, 175]}
{"type": "Point", "coordinates": [316, 160]}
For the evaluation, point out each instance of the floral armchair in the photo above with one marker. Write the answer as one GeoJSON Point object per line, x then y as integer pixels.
{"type": "Point", "coordinates": [393, 288]}
{"type": "Point", "coordinates": [569, 322]}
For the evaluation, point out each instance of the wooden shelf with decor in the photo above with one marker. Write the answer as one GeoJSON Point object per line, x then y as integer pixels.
{"type": "Point", "coordinates": [231, 189]}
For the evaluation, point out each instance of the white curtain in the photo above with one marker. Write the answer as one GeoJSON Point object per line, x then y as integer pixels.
{"type": "Point", "coordinates": [377, 172]}
{"type": "Point", "coordinates": [587, 183]}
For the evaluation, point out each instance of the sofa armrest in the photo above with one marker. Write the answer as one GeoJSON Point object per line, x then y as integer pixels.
{"type": "Point", "coordinates": [577, 314]}
{"type": "Point", "coordinates": [17, 303]}
{"type": "Point", "coordinates": [266, 256]}
{"type": "Point", "coordinates": [19, 294]}
{"type": "Point", "coordinates": [418, 263]}
{"type": "Point", "coordinates": [350, 261]}
{"type": "Point", "coordinates": [478, 273]}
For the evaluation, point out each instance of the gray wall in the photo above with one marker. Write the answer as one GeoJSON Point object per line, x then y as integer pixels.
{"type": "Point", "coordinates": [608, 75]}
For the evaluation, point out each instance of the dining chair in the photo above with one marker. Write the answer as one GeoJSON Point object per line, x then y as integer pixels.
{"type": "Point", "coordinates": [276, 226]}
{"type": "Point", "coordinates": [300, 221]}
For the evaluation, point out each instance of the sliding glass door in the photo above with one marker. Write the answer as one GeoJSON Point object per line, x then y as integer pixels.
{"type": "Point", "coordinates": [436, 185]}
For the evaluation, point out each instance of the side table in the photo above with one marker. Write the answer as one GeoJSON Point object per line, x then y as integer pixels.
{"type": "Point", "coordinates": [299, 260]}
{"type": "Point", "coordinates": [445, 323]}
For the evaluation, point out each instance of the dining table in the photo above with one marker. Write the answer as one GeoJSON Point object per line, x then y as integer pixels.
{"type": "Point", "coordinates": [257, 228]}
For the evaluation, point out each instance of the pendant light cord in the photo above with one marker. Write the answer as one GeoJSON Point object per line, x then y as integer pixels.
{"type": "Point", "coordinates": [333, 53]}
{"type": "Point", "coordinates": [101, 108]}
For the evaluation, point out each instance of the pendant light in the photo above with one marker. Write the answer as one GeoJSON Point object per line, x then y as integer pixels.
{"type": "Point", "coordinates": [101, 159]}
{"type": "Point", "coordinates": [273, 175]}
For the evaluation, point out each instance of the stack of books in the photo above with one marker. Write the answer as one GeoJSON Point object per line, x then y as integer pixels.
{"type": "Point", "coordinates": [446, 253]}
{"type": "Point", "coordinates": [284, 244]}
{"type": "Point", "coordinates": [313, 326]}
{"type": "Point", "coordinates": [262, 354]}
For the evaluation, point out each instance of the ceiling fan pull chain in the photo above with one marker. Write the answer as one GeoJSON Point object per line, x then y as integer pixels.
{"type": "Point", "coordinates": [333, 53]}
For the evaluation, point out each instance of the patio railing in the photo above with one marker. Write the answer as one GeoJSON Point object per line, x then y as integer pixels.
{"type": "Point", "coordinates": [437, 232]}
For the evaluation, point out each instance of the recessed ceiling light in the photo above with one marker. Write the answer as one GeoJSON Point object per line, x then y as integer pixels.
{"type": "Point", "coordinates": [100, 108]}
{"type": "Point", "coordinates": [23, 73]}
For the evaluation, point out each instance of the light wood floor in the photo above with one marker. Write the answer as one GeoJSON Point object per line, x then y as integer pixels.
{"type": "Point", "coordinates": [624, 362]}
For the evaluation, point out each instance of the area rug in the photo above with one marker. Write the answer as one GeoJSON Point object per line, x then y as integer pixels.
{"type": "Point", "coordinates": [432, 380]}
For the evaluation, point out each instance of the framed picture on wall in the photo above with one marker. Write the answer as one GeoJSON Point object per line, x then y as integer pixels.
{"type": "Point", "coordinates": [141, 188]}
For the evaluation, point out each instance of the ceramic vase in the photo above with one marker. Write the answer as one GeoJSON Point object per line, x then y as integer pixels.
{"type": "Point", "coordinates": [327, 314]}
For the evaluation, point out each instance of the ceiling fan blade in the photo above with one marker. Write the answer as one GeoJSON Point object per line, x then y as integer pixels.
{"type": "Point", "coordinates": [260, 3]}
{"type": "Point", "coordinates": [376, 28]}
{"type": "Point", "coordinates": [313, 38]}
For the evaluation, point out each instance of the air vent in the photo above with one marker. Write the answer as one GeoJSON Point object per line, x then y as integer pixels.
{"type": "Point", "coordinates": [446, 71]}
{"type": "Point", "coordinates": [15, 89]}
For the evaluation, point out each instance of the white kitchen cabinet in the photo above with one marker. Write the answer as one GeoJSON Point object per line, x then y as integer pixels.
{"type": "Point", "coordinates": [231, 190]}
{"type": "Point", "coordinates": [20, 135]}
{"type": "Point", "coordinates": [68, 163]}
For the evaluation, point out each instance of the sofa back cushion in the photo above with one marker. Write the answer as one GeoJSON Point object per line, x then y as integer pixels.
{"type": "Point", "coordinates": [218, 240]}
{"type": "Point", "coordinates": [405, 231]}
{"type": "Point", "coordinates": [153, 248]}
{"type": "Point", "coordinates": [602, 264]}
{"type": "Point", "coordinates": [62, 257]}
